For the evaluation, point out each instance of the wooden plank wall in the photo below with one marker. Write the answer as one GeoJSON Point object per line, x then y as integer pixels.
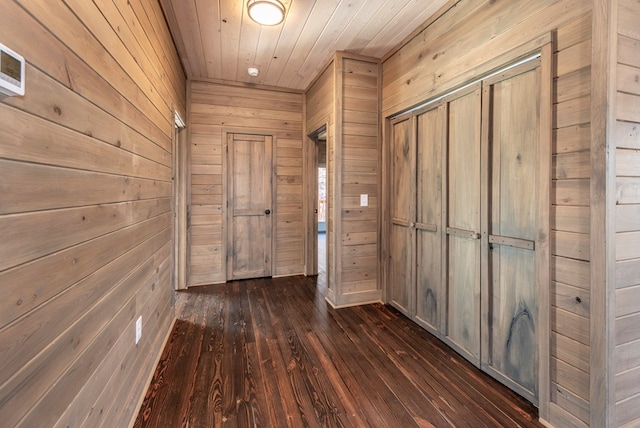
{"type": "Point", "coordinates": [359, 170]}
{"type": "Point", "coordinates": [85, 211]}
{"type": "Point", "coordinates": [345, 98]}
{"type": "Point", "coordinates": [216, 108]}
{"type": "Point", "coordinates": [320, 111]}
{"type": "Point", "coordinates": [570, 226]}
{"type": "Point", "coordinates": [470, 39]}
{"type": "Point", "coordinates": [627, 217]}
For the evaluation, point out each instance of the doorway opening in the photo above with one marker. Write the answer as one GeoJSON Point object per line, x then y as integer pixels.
{"type": "Point", "coordinates": [318, 220]}
{"type": "Point", "coordinates": [321, 146]}
{"type": "Point", "coordinates": [180, 205]}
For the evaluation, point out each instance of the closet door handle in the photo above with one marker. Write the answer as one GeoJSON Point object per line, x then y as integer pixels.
{"type": "Point", "coordinates": [469, 234]}
{"type": "Point", "coordinates": [267, 211]}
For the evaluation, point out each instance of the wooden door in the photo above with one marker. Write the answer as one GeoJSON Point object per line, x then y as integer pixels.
{"type": "Point", "coordinates": [463, 223]}
{"type": "Point", "coordinates": [402, 212]}
{"type": "Point", "coordinates": [430, 133]}
{"type": "Point", "coordinates": [511, 103]}
{"type": "Point", "coordinates": [249, 203]}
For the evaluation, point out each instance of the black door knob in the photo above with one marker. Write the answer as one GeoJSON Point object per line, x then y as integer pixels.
{"type": "Point", "coordinates": [267, 211]}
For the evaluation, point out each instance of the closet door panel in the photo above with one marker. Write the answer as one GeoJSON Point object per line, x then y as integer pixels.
{"type": "Point", "coordinates": [402, 197]}
{"type": "Point", "coordinates": [463, 224]}
{"type": "Point", "coordinates": [430, 134]}
{"type": "Point", "coordinates": [512, 349]}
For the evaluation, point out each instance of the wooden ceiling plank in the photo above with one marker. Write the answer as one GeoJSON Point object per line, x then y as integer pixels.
{"type": "Point", "coordinates": [397, 29]}
{"type": "Point", "coordinates": [266, 51]}
{"type": "Point", "coordinates": [186, 17]}
{"type": "Point", "coordinates": [231, 12]}
{"type": "Point", "coordinates": [216, 39]}
{"type": "Point", "coordinates": [250, 35]}
{"type": "Point", "coordinates": [209, 21]}
{"type": "Point", "coordinates": [351, 40]}
{"type": "Point", "coordinates": [318, 20]}
{"type": "Point", "coordinates": [388, 12]}
{"type": "Point", "coordinates": [325, 45]}
{"type": "Point", "coordinates": [297, 16]}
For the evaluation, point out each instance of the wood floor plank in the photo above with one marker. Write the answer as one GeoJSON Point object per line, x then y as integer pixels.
{"type": "Point", "coordinates": [459, 375]}
{"type": "Point", "coordinates": [272, 353]}
{"type": "Point", "coordinates": [208, 384]}
{"type": "Point", "coordinates": [269, 396]}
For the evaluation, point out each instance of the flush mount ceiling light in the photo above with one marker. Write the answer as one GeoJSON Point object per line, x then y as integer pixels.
{"type": "Point", "coordinates": [253, 72]}
{"type": "Point", "coordinates": [266, 12]}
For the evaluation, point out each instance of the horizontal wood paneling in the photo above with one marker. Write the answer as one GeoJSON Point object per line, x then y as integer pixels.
{"type": "Point", "coordinates": [320, 107]}
{"type": "Point", "coordinates": [289, 218]}
{"type": "Point", "coordinates": [320, 99]}
{"type": "Point", "coordinates": [86, 209]}
{"type": "Point", "coordinates": [216, 109]}
{"type": "Point", "coordinates": [360, 143]}
{"type": "Point", "coordinates": [627, 217]}
{"type": "Point", "coordinates": [448, 54]}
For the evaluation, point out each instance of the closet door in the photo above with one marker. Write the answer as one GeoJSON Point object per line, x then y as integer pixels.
{"type": "Point", "coordinates": [511, 353]}
{"type": "Point", "coordinates": [430, 133]}
{"type": "Point", "coordinates": [463, 223]}
{"type": "Point", "coordinates": [402, 212]}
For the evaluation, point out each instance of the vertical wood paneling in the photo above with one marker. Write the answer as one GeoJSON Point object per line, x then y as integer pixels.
{"type": "Point", "coordinates": [627, 215]}
{"type": "Point", "coordinates": [474, 38]}
{"type": "Point", "coordinates": [216, 109]}
{"type": "Point", "coordinates": [86, 209]}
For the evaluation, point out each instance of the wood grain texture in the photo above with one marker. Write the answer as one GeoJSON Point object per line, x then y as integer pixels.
{"type": "Point", "coordinates": [429, 291]}
{"type": "Point", "coordinates": [473, 38]}
{"type": "Point", "coordinates": [218, 109]}
{"type": "Point", "coordinates": [271, 352]}
{"type": "Point", "coordinates": [344, 99]}
{"type": "Point", "coordinates": [249, 204]}
{"type": "Point", "coordinates": [463, 214]}
{"type": "Point", "coordinates": [218, 40]}
{"type": "Point", "coordinates": [515, 176]}
{"type": "Point", "coordinates": [401, 285]}
{"type": "Point", "coordinates": [624, 216]}
{"type": "Point", "coordinates": [359, 142]}
{"type": "Point", "coordinates": [86, 209]}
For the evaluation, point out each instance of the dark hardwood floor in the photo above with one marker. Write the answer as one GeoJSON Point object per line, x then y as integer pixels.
{"type": "Point", "coordinates": [271, 353]}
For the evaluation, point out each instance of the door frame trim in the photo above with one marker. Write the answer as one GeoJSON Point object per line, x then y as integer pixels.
{"type": "Point", "coordinates": [310, 177]}
{"type": "Point", "coordinates": [181, 172]}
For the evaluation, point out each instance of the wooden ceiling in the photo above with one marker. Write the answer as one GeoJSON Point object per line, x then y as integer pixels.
{"type": "Point", "coordinates": [216, 39]}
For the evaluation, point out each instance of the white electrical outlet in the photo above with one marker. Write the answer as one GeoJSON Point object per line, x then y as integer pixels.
{"type": "Point", "coordinates": [138, 329]}
{"type": "Point", "coordinates": [364, 200]}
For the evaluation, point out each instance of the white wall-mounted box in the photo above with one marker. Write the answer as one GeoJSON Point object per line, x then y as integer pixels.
{"type": "Point", "coordinates": [11, 72]}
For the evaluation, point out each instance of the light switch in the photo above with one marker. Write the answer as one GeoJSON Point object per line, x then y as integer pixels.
{"type": "Point", "coordinates": [364, 200]}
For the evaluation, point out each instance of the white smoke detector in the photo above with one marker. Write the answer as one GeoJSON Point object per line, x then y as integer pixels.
{"type": "Point", "coordinates": [253, 72]}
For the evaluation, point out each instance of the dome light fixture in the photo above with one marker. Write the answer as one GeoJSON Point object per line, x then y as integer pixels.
{"type": "Point", "coordinates": [266, 12]}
